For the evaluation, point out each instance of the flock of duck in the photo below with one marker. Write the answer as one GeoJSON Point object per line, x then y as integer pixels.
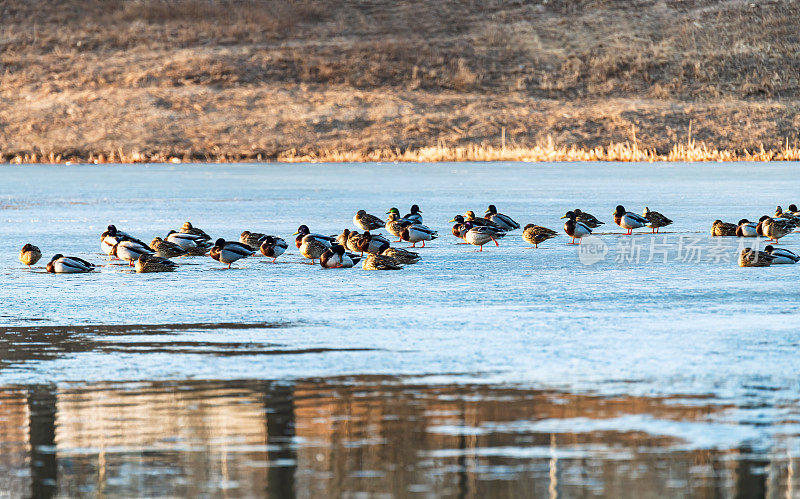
{"type": "Point", "coordinates": [348, 248]}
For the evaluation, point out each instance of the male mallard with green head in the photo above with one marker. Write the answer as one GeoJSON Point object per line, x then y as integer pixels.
{"type": "Point", "coordinates": [575, 229]}
{"type": "Point", "coordinates": [273, 247]}
{"type": "Point", "coordinates": [503, 221]}
{"type": "Point", "coordinates": [628, 220]}
{"type": "Point", "coordinates": [229, 251]}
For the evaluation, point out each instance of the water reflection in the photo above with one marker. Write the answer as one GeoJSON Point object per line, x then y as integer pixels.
{"type": "Point", "coordinates": [366, 435]}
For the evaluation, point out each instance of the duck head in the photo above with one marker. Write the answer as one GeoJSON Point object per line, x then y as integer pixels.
{"type": "Point", "coordinates": [187, 225]}
{"type": "Point", "coordinates": [27, 247]}
{"type": "Point", "coordinates": [361, 213]}
{"type": "Point", "coordinates": [619, 211]}
{"type": "Point", "coordinates": [111, 230]}
{"type": "Point", "coordinates": [458, 219]}
{"type": "Point", "coordinates": [56, 257]}
{"type": "Point", "coordinates": [303, 229]}
{"type": "Point", "coordinates": [338, 249]}
{"type": "Point", "coordinates": [570, 215]}
{"type": "Point", "coordinates": [470, 215]}
{"type": "Point", "coordinates": [792, 208]}
{"type": "Point", "coordinates": [220, 243]}
{"type": "Point", "coordinates": [415, 209]}
{"type": "Point", "coordinates": [491, 209]}
{"type": "Point", "coordinates": [768, 248]}
{"type": "Point", "coordinates": [393, 211]}
{"type": "Point", "coordinates": [393, 216]}
{"type": "Point", "coordinates": [743, 221]}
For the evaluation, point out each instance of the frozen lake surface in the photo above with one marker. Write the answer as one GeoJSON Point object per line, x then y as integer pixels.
{"type": "Point", "coordinates": [511, 371]}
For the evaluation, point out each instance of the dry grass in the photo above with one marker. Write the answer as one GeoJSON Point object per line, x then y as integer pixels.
{"type": "Point", "coordinates": [624, 152]}
{"type": "Point", "coordinates": [294, 79]}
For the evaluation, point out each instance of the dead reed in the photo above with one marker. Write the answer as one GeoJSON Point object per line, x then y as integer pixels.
{"type": "Point", "coordinates": [688, 152]}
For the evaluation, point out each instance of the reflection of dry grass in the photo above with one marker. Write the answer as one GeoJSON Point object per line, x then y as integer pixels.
{"type": "Point", "coordinates": [243, 79]}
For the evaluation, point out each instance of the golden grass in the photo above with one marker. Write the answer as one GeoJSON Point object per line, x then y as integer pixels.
{"type": "Point", "coordinates": [688, 152]}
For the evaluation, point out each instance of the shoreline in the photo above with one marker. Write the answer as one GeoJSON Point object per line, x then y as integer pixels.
{"type": "Point", "coordinates": [689, 152]}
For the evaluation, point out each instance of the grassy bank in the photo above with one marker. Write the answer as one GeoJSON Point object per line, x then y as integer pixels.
{"type": "Point", "coordinates": [410, 80]}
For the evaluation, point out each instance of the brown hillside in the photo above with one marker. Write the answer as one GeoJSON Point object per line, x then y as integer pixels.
{"type": "Point", "coordinates": [224, 78]}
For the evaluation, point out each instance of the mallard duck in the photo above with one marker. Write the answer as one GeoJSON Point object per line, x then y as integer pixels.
{"type": "Point", "coordinates": [112, 236]}
{"type": "Point", "coordinates": [148, 263]}
{"type": "Point", "coordinates": [29, 255]}
{"type": "Point", "coordinates": [401, 256]}
{"type": "Point", "coordinates": [188, 228]}
{"type": "Point", "coordinates": [380, 262]}
{"type": "Point", "coordinates": [344, 237]}
{"type": "Point", "coordinates": [336, 257]}
{"type": "Point", "coordinates": [482, 234]}
{"type": "Point", "coordinates": [229, 251]}
{"type": "Point", "coordinates": [628, 220]}
{"type": "Point", "coordinates": [410, 218]}
{"type": "Point", "coordinates": [313, 248]}
{"type": "Point", "coordinates": [61, 264]}
{"type": "Point", "coordinates": [416, 233]}
{"type": "Point", "coordinates": [746, 228]}
{"type": "Point", "coordinates": [130, 250]}
{"type": "Point", "coordinates": [575, 229]}
{"type": "Point", "coordinates": [656, 219]}
{"type": "Point", "coordinates": [721, 229]}
{"type": "Point", "coordinates": [587, 219]}
{"type": "Point", "coordinates": [470, 217]}
{"type": "Point", "coordinates": [357, 242]}
{"type": "Point", "coordinates": [166, 249]}
{"type": "Point", "coordinates": [376, 243]}
{"type": "Point", "coordinates": [503, 221]}
{"type": "Point", "coordinates": [752, 258]}
{"type": "Point", "coordinates": [777, 228]}
{"type": "Point", "coordinates": [536, 234]}
{"type": "Point", "coordinates": [365, 221]}
{"type": "Point", "coordinates": [304, 231]}
{"type": "Point", "coordinates": [191, 243]}
{"type": "Point", "coordinates": [415, 216]}
{"type": "Point", "coordinates": [252, 239]}
{"type": "Point", "coordinates": [458, 229]}
{"type": "Point", "coordinates": [395, 226]}
{"type": "Point", "coordinates": [273, 247]}
{"type": "Point", "coordinates": [760, 225]}
{"type": "Point", "coordinates": [779, 213]}
{"type": "Point", "coordinates": [780, 255]}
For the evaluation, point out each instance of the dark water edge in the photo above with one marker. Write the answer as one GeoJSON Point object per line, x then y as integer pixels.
{"type": "Point", "coordinates": [363, 434]}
